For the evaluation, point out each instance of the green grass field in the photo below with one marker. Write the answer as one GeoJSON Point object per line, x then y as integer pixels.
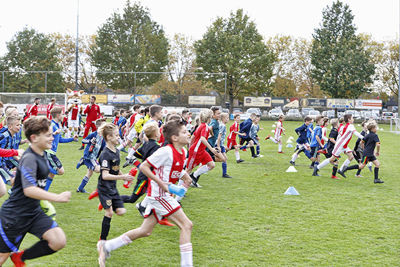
{"type": "Point", "coordinates": [247, 220]}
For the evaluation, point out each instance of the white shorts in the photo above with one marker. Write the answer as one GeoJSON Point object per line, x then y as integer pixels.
{"type": "Point", "coordinates": [131, 135]}
{"type": "Point", "coordinates": [73, 123]}
{"type": "Point", "coordinates": [339, 150]}
{"type": "Point", "coordinates": [278, 137]}
{"type": "Point", "coordinates": [160, 206]}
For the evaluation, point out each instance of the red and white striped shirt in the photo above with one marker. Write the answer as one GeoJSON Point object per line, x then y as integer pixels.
{"type": "Point", "coordinates": [232, 131]}
{"type": "Point", "coordinates": [279, 128]}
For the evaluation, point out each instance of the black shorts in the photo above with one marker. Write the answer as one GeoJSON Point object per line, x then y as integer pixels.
{"type": "Point", "coordinates": [314, 152]}
{"type": "Point", "coordinates": [211, 154]}
{"type": "Point", "coordinates": [367, 159]}
{"type": "Point", "coordinates": [14, 229]}
{"type": "Point", "coordinates": [54, 162]}
{"type": "Point", "coordinates": [138, 141]}
{"type": "Point", "coordinates": [111, 200]}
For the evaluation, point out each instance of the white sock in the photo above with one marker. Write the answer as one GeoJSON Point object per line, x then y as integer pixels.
{"type": "Point", "coordinates": [186, 255]}
{"type": "Point", "coordinates": [118, 242]}
{"type": "Point", "coordinates": [237, 155]}
{"type": "Point", "coordinates": [273, 140]}
{"type": "Point", "coordinates": [203, 169]}
{"type": "Point", "coordinates": [345, 163]}
{"type": "Point", "coordinates": [280, 147]}
{"type": "Point", "coordinates": [323, 164]}
{"type": "Point", "coordinates": [294, 157]}
{"type": "Point", "coordinates": [370, 164]}
{"type": "Point", "coordinates": [130, 154]}
{"type": "Point", "coordinates": [67, 134]}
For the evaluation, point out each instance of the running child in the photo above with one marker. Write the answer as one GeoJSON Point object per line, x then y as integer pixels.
{"type": "Point", "coordinates": [233, 131]}
{"type": "Point", "coordinates": [168, 163]}
{"type": "Point", "coordinates": [316, 140]}
{"type": "Point", "coordinates": [253, 139]}
{"type": "Point", "coordinates": [302, 140]}
{"type": "Point", "coordinates": [21, 213]}
{"type": "Point", "coordinates": [110, 173]}
{"type": "Point", "coordinates": [279, 131]}
{"type": "Point", "coordinates": [220, 143]}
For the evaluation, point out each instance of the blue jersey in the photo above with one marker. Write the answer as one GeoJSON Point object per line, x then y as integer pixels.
{"type": "Point", "coordinates": [253, 131]}
{"type": "Point", "coordinates": [309, 132]}
{"type": "Point", "coordinates": [98, 147]}
{"type": "Point", "coordinates": [7, 142]}
{"type": "Point", "coordinates": [222, 130]}
{"type": "Point", "coordinates": [317, 132]}
{"type": "Point", "coordinates": [302, 132]}
{"type": "Point", "coordinates": [17, 138]}
{"type": "Point", "coordinates": [244, 127]}
{"type": "Point", "coordinates": [215, 129]}
{"type": "Point", "coordinates": [57, 137]}
{"type": "Point", "coordinates": [121, 123]}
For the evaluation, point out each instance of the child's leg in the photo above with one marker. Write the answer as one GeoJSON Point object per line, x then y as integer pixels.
{"type": "Point", "coordinates": [85, 180]}
{"type": "Point", "coordinates": [105, 225]}
{"type": "Point", "coordinates": [185, 225]}
{"type": "Point", "coordinates": [280, 145]}
{"type": "Point", "coordinates": [376, 169]}
{"type": "Point", "coordinates": [237, 154]}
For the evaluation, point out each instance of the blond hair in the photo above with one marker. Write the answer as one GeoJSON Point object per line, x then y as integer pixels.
{"type": "Point", "coordinates": [106, 129]}
{"type": "Point", "coordinates": [151, 129]}
{"type": "Point", "coordinates": [205, 115]}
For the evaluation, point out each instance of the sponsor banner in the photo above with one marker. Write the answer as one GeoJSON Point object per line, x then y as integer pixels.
{"type": "Point", "coordinates": [121, 99]}
{"type": "Point", "coordinates": [368, 104]}
{"type": "Point", "coordinates": [42, 108]}
{"type": "Point", "coordinates": [340, 103]}
{"type": "Point", "coordinates": [278, 102]}
{"type": "Point", "coordinates": [148, 99]}
{"type": "Point", "coordinates": [202, 100]}
{"type": "Point", "coordinates": [313, 102]}
{"type": "Point", "coordinates": [292, 104]}
{"type": "Point", "coordinates": [257, 101]}
{"type": "Point", "coordinates": [100, 99]}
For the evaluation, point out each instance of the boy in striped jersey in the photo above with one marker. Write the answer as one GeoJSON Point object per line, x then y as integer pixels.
{"type": "Point", "coordinates": [279, 130]}
{"type": "Point", "coordinates": [233, 131]}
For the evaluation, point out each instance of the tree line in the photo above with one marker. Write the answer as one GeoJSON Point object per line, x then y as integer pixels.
{"type": "Point", "coordinates": [337, 62]}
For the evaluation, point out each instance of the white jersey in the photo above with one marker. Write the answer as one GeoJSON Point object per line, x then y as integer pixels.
{"type": "Point", "coordinates": [168, 165]}
{"type": "Point", "coordinates": [345, 134]}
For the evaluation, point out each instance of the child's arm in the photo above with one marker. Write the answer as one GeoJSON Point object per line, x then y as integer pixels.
{"type": "Point", "coordinates": [378, 148]}
{"type": "Point", "coordinates": [218, 140]}
{"type": "Point", "coordinates": [205, 142]}
{"type": "Point", "coordinates": [107, 176]}
{"type": "Point", "coordinates": [39, 193]}
{"type": "Point", "coordinates": [145, 169]}
{"type": "Point", "coordinates": [319, 141]}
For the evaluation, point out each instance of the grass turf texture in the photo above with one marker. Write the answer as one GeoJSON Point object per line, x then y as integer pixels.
{"type": "Point", "coordinates": [247, 220]}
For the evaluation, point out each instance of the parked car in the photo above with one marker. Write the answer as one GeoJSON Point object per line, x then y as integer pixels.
{"type": "Point", "coordinates": [355, 113]}
{"type": "Point", "coordinates": [306, 111]}
{"type": "Point", "coordinates": [253, 110]}
{"type": "Point", "coordinates": [313, 114]}
{"type": "Point", "coordinates": [275, 113]}
{"type": "Point", "coordinates": [237, 111]}
{"type": "Point", "coordinates": [387, 115]}
{"type": "Point", "coordinates": [195, 112]}
{"type": "Point", "coordinates": [368, 114]}
{"type": "Point", "coordinates": [329, 114]}
{"type": "Point", "coordinates": [293, 113]}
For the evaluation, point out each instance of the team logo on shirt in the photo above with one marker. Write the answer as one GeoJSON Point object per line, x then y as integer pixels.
{"type": "Point", "coordinates": [108, 202]}
{"type": "Point", "coordinates": [175, 174]}
{"type": "Point", "coordinates": [115, 168]}
{"type": "Point", "coordinates": [104, 163]}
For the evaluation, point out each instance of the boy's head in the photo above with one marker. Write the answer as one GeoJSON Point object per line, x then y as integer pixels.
{"type": "Point", "coordinates": [318, 120]}
{"type": "Point", "coordinates": [11, 111]}
{"type": "Point", "coordinates": [155, 112]}
{"type": "Point", "coordinates": [307, 120]}
{"type": "Point", "coordinates": [334, 123]}
{"type": "Point", "coordinates": [216, 113]}
{"type": "Point", "coordinates": [172, 117]}
{"type": "Point", "coordinates": [1, 109]}
{"type": "Point", "coordinates": [205, 116]}
{"type": "Point", "coordinates": [136, 108]}
{"type": "Point", "coordinates": [257, 119]}
{"type": "Point", "coordinates": [325, 121]}
{"type": "Point", "coordinates": [364, 124]}
{"type": "Point", "coordinates": [253, 116]}
{"type": "Point", "coordinates": [281, 117]}
{"type": "Point", "coordinates": [152, 131]}
{"type": "Point", "coordinates": [110, 133]}
{"type": "Point", "coordinates": [224, 118]}
{"type": "Point", "coordinates": [123, 113]}
{"type": "Point", "coordinates": [372, 127]}
{"type": "Point", "coordinates": [53, 100]}
{"type": "Point", "coordinates": [236, 117]}
{"type": "Point", "coordinates": [341, 120]}
{"type": "Point", "coordinates": [100, 122]}
{"type": "Point", "coordinates": [36, 101]}
{"type": "Point", "coordinates": [185, 114]}
{"type": "Point", "coordinates": [146, 110]}
{"type": "Point", "coordinates": [56, 113]}
{"type": "Point", "coordinates": [13, 124]}
{"type": "Point", "coordinates": [116, 113]}
{"type": "Point", "coordinates": [175, 132]}
{"type": "Point", "coordinates": [348, 118]}
{"type": "Point", "coordinates": [38, 132]}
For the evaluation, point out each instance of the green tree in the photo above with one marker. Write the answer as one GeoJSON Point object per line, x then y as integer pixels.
{"type": "Point", "coordinates": [234, 46]}
{"type": "Point", "coordinates": [130, 42]}
{"type": "Point", "coordinates": [342, 66]}
{"type": "Point", "coordinates": [28, 51]}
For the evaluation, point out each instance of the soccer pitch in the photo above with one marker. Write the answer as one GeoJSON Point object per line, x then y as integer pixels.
{"type": "Point", "coordinates": [247, 220]}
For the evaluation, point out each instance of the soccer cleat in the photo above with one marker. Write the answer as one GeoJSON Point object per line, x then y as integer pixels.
{"type": "Point", "coordinates": [164, 221]}
{"type": "Point", "coordinates": [226, 176]}
{"type": "Point", "coordinates": [378, 181]}
{"type": "Point", "coordinates": [292, 163]}
{"type": "Point", "coordinates": [268, 137]}
{"type": "Point", "coordinates": [103, 253]}
{"type": "Point", "coordinates": [239, 161]}
{"type": "Point", "coordinates": [16, 259]}
{"type": "Point", "coordinates": [254, 157]}
{"type": "Point", "coordinates": [244, 149]}
{"type": "Point", "coordinates": [93, 194]}
{"type": "Point", "coordinates": [315, 172]}
{"type": "Point", "coordinates": [280, 152]}
{"type": "Point", "coordinates": [81, 148]}
{"type": "Point", "coordinates": [194, 181]}
{"type": "Point", "coordinates": [342, 173]}
{"type": "Point", "coordinates": [100, 207]}
{"type": "Point", "coordinates": [82, 191]}
{"type": "Point", "coordinates": [127, 163]}
{"type": "Point", "coordinates": [359, 176]}
{"type": "Point", "coordinates": [322, 151]}
{"type": "Point", "coordinates": [335, 177]}
{"type": "Point", "coordinates": [140, 208]}
{"type": "Point", "coordinates": [261, 156]}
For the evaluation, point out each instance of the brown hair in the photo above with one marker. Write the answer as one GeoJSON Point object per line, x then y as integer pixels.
{"type": "Point", "coordinates": [154, 109]}
{"type": "Point", "coordinates": [307, 119]}
{"type": "Point", "coordinates": [36, 125]}
{"type": "Point", "coordinates": [371, 126]}
{"type": "Point", "coordinates": [92, 96]}
{"type": "Point", "coordinates": [172, 128]}
{"type": "Point", "coordinates": [55, 111]}
{"type": "Point", "coordinates": [136, 107]}
{"type": "Point", "coordinates": [107, 129]}
{"type": "Point", "coordinates": [237, 115]}
{"type": "Point", "coordinates": [171, 117]}
{"type": "Point", "coordinates": [1, 104]}
{"type": "Point", "coordinates": [99, 122]}
{"type": "Point", "coordinates": [347, 117]}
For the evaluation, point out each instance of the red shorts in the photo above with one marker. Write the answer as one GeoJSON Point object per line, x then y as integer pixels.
{"type": "Point", "coordinates": [231, 144]}
{"type": "Point", "coordinates": [197, 158]}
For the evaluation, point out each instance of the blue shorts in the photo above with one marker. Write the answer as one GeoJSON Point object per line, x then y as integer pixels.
{"type": "Point", "coordinates": [223, 150]}
{"type": "Point", "coordinates": [89, 163]}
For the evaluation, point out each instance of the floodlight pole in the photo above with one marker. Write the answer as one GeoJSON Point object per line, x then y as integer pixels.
{"type": "Point", "coordinates": [77, 46]}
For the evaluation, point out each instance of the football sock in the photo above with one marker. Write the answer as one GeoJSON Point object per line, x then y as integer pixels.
{"type": "Point", "coordinates": [105, 227]}
{"type": "Point", "coordinates": [48, 183]}
{"type": "Point", "coordinates": [312, 163]}
{"type": "Point", "coordinates": [294, 157]}
{"type": "Point", "coordinates": [376, 173]}
{"type": "Point", "coordinates": [85, 180]}
{"type": "Point", "coordinates": [273, 140]}
{"type": "Point", "coordinates": [224, 167]}
{"type": "Point", "coordinates": [345, 163]}
{"type": "Point", "coordinates": [323, 164]}
{"type": "Point", "coordinates": [307, 153]}
{"type": "Point", "coordinates": [203, 169]}
{"type": "Point", "coordinates": [39, 249]}
{"type": "Point", "coordinates": [258, 149]}
{"type": "Point", "coordinates": [280, 147]}
{"type": "Point", "coordinates": [253, 154]}
{"type": "Point", "coordinates": [117, 242]}
{"type": "Point", "coordinates": [186, 255]}
{"type": "Point", "coordinates": [334, 170]}
{"type": "Point", "coordinates": [237, 155]}
{"type": "Point", "coordinates": [130, 153]}
{"type": "Point", "coordinates": [130, 199]}
{"type": "Point", "coordinates": [353, 167]}
{"type": "Point", "coordinates": [358, 172]}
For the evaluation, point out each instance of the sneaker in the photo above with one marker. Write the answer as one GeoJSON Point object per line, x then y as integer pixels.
{"type": "Point", "coordinates": [194, 181]}
{"type": "Point", "coordinates": [341, 173]}
{"type": "Point", "coordinates": [322, 151]}
{"type": "Point", "coordinates": [244, 149]}
{"type": "Point", "coordinates": [94, 194]}
{"type": "Point", "coordinates": [292, 163]}
{"type": "Point", "coordinates": [254, 157]}
{"type": "Point", "coordinates": [103, 253]}
{"type": "Point", "coordinates": [239, 161]}
{"type": "Point", "coordinates": [335, 177]}
{"type": "Point", "coordinates": [268, 137]}
{"type": "Point", "coordinates": [280, 152]}
{"type": "Point", "coordinates": [311, 167]}
{"type": "Point", "coordinates": [226, 176]}
{"type": "Point", "coordinates": [100, 207]}
{"type": "Point", "coordinates": [315, 172]}
{"type": "Point", "coordinates": [358, 176]}
{"type": "Point", "coordinates": [82, 191]}
{"type": "Point", "coordinates": [16, 259]}
{"type": "Point", "coordinates": [378, 181]}
{"type": "Point", "coordinates": [140, 208]}
{"type": "Point", "coordinates": [164, 221]}
{"type": "Point", "coordinates": [261, 156]}
{"type": "Point", "coordinates": [81, 148]}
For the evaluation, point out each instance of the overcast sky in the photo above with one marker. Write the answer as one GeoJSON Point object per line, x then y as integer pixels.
{"type": "Point", "coordinates": [286, 17]}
